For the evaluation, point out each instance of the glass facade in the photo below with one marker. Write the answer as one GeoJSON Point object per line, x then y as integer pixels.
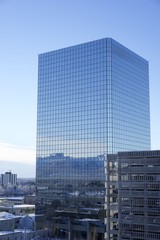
{"type": "Point", "coordinates": [93, 99]}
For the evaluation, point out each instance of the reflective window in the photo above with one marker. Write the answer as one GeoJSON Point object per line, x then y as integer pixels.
{"type": "Point", "coordinates": [93, 99]}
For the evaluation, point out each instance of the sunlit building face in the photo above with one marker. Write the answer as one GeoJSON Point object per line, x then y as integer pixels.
{"type": "Point", "coordinates": [93, 99]}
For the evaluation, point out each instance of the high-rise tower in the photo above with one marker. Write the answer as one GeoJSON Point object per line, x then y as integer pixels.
{"type": "Point", "coordinates": [93, 99]}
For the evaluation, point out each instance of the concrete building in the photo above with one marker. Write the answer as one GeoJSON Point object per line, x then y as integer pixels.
{"type": "Point", "coordinates": [139, 195]}
{"type": "Point", "coordinates": [111, 197]}
{"type": "Point", "coordinates": [8, 179]}
{"type": "Point", "coordinates": [12, 200]}
{"type": "Point", "coordinates": [21, 210]}
{"type": "Point", "coordinates": [20, 227]}
{"type": "Point", "coordinates": [134, 199]}
{"type": "Point", "coordinates": [93, 98]}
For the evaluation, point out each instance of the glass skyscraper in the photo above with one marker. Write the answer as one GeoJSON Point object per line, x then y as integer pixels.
{"type": "Point", "coordinates": [93, 99]}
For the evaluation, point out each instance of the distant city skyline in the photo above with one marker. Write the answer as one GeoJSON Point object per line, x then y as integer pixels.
{"type": "Point", "coordinates": [29, 28]}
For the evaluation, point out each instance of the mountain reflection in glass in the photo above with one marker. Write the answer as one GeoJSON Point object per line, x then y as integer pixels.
{"type": "Point", "coordinates": [93, 99]}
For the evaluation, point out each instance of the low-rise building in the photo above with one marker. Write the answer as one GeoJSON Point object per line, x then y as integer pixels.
{"type": "Point", "coordinates": [21, 210]}
{"type": "Point", "coordinates": [29, 199]}
{"type": "Point", "coordinates": [12, 200]}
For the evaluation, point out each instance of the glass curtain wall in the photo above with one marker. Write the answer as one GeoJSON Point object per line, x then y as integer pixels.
{"type": "Point", "coordinates": [93, 99]}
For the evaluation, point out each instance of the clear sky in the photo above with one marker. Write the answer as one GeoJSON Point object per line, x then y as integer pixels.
{"type": "Point", "coordinates": [30, 27]}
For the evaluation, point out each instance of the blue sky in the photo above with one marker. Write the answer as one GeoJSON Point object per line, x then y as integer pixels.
{"type": "Point", "coordinates": [30, 27]}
